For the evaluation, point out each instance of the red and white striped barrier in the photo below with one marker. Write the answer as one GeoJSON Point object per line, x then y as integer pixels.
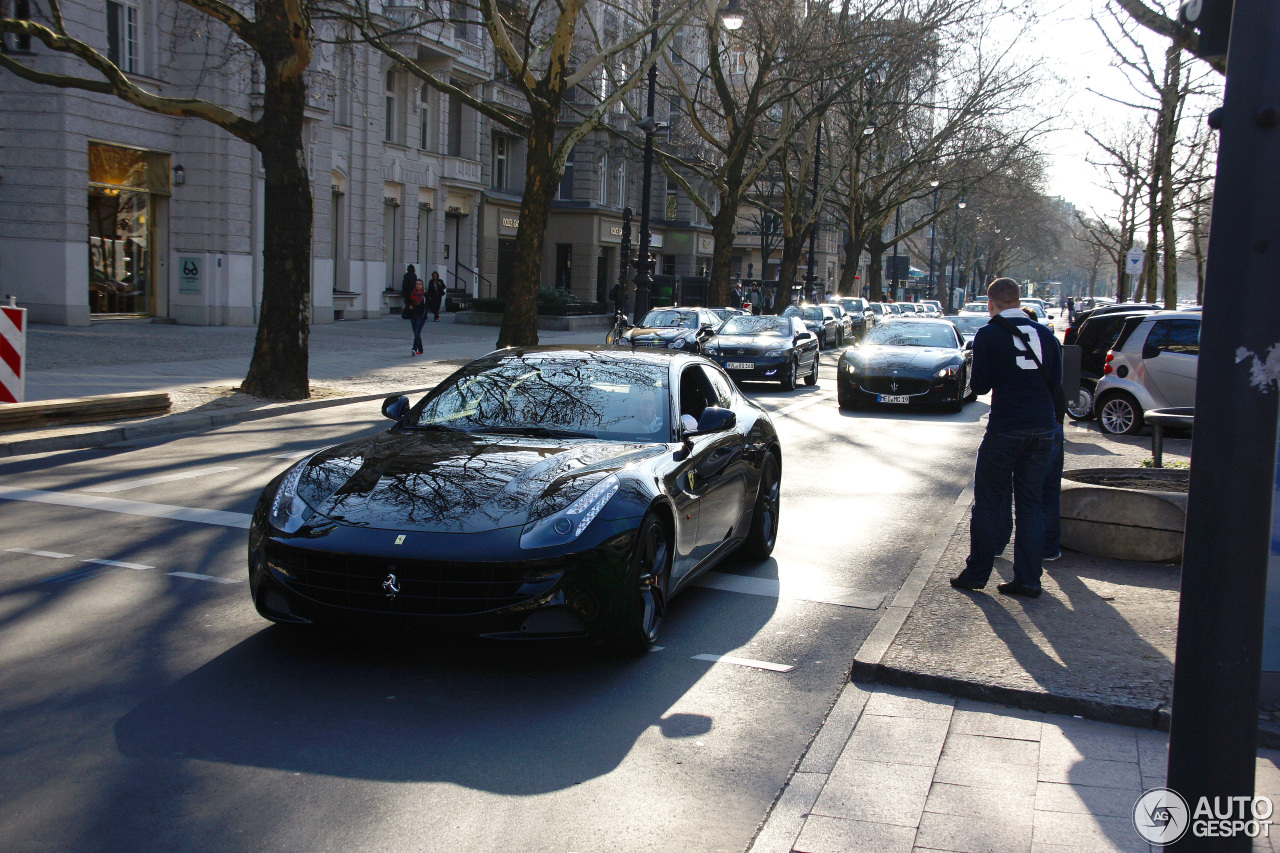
{"type": "Point", "coordinates": [13, 350]}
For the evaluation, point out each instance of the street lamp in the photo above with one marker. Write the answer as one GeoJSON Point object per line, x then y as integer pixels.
{"type": "Point", "coordinates": [644, 262]}
{"type": "Point", "coordinates": [933, 235]}
{"type": "Point", "coordinates": [733, 17]}
{"type": "Point", "coordinates": [955, 252]}
{"type": "Point", "coordinates": [810, 278]}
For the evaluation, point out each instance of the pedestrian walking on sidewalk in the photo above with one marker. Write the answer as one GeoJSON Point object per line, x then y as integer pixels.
{"type": "Point", "coordinates": [435, 294]}
{"type": "Point", "coordinates": [1019, 361]}
{"type": "Point", "coordinates": [407, 283]}
{"type": "Point", "coordinates": [417, 307]}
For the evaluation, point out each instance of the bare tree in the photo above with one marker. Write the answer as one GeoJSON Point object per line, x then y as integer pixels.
{"type": "Point", "coordinates": [279, 37]}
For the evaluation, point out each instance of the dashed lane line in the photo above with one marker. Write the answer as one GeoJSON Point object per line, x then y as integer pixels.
{"type": "Point", "coordinates": [53, 554]}
{"type": "Point", "coordinates": [163, 478]}
{"type": "Point", "coordinates": [198, 577]}
{"type": "Point", "coordinates": [217, 517]}
{"type": "Point", "coordinates": [805, 403]}
{"type": "Point", "coordinates": [120, 564]}
{"type": "Point", "coordinates": [781, 588]}
{"type": "Point", "coordinates": [757, 664]}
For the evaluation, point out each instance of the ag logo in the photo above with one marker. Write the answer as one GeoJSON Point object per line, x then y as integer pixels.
{"type": "Point", "coordinates": [1161, 816]}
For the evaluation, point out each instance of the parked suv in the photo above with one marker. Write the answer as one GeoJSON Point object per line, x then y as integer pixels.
{"type": "Point", "coordinates": [1096, 337]}
{"type": "Point", "coordinates": [857, 309]}
{"type": "Point", "coordinates": [1153, 367]}
{"type": "Point", "coordinates": [1073, 328]}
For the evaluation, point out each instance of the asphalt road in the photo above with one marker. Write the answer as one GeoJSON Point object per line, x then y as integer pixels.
{"type": "Point", "coordinates": [146, 706]}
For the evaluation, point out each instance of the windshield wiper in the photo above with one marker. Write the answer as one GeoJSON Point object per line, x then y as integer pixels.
{"type": "Point", "coordinates": [536, 431]}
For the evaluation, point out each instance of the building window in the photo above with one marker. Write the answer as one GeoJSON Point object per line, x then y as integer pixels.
{"type": "Point", "coordinates": [455, 123]}
{"type": "Point", "coordinates": [673, 203]}
{"type": "Point", "coordinates": [392, 129]}
{"type": "Point", "coordinates": [602, 174]}
{"type": "Point", "coordinates": [565, 192]}
{"type": "Point", "coordinates": [737, 62]}
{"type": "Point", "coordinates": [499, 161]}
{"type": "Point", "coordinates": [342, 86]}
{"type": "Point", "coordinates": [124, 47]}
{"type": "Point", "coordinates": [21, 12]}
{"type": "Point", "coordinates": [424, 118]}
{"type": "Point", "coordinates": [458, 12]}
{"type": "Point", "coordinates": [564, 266]}
{"type": "Point", "coordinates": [622, 184]}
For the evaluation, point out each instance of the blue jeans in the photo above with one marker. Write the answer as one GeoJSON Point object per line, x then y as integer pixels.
{"type": "Point", "coordinates": [1010, 465]}
{"type": "Point", "coordinates": [418, 321]}
{"type": "Point", "coordinates": [1052, 503]}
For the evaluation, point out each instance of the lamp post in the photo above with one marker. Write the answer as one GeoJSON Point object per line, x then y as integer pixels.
{"type": "Point", "coordinates": [644, 261]}
{"type": "Point", "coordinates": [933, 236]}
{"type": "Point", "coordinates": [955, 253]}
{"type": "Point", "coordinates": [809, 278]}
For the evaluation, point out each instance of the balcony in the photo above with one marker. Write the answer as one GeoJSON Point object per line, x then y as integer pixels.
{"type": "Point", "coordinates": [460, 171]}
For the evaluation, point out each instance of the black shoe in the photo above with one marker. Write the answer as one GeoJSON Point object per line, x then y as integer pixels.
{"type": "Point", "coordinates": [961, 583]}
{"type": "Point", "coordinates": [1013, 588]}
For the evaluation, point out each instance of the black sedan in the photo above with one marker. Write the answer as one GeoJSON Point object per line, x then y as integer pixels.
{"type": "Point", "coordinates": [684, 329]}
{"type": "Point", "coordinates": [766, 349]}
{"type": "Point", "coordinates": [909, 362]}
{"type": "Point", "coordinates": [818, 320]}
{"type": "Point", "coordinates": [535, 493]}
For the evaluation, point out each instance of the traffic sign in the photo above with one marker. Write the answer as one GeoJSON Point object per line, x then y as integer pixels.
{"type": "Point", "coordinates": [1133, 261]}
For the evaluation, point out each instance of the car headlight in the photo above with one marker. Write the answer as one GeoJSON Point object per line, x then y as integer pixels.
{"type": "Point", "coordinates": [569, 523]}
{"type": "Point", "coordinates": [712, 350]}
{"type": "Point", "coordinates": [947, 371]}
{"type": "Point", "coordinates": [678, 343]}
{"type": "Point", "coordinates": [848, 367]}
{"type": "Point", "coordinates": [776, 353]}
{"type": "Point", "coordinates": [288, 511]}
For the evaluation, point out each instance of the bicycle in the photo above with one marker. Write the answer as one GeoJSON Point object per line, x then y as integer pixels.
{"type": "Point", "coordinates": [621, 325]}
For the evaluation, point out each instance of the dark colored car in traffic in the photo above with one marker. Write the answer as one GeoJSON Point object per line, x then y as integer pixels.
{"type": "Point", "coordinates": [1100, 331]}
{"type": "Point", "coordinates": [1073, 328]}
{"type": "Point", "coordinates": [535, 493]}
{"type": "Point", "coordinates": [909, 362]}
{"type": "Point", "coordinates": [766, 349]}
{"type": "Point", "coordinates": [857, 308]}
{"type": "Point", "coordinates": [819, 320]}
{"type": "Point", "coordinates": [685, 329]}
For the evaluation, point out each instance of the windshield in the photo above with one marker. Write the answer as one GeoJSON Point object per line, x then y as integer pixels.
{"type": "Point", "coordinates": [877, 308]}
{"type": "Point", "coordinates": [907, 334]}
{"type": "Point", "coordinates": [756, 326]}
{"type": "Point", "coordinates": [813, 314]}
{"type": "Point", "coordinates": [670, 320]}
{"type": "Point", "coordinates": [613, 399]}
{"type": "Point", "coordinates": [969, 325]}
{"type": "Point", "coordinates": [853, 304]}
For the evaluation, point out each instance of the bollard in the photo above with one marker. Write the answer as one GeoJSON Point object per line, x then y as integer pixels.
{"type": "Point", "coordinates": [13, 349]}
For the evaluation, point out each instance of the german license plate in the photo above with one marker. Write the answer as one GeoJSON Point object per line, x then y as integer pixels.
{"type": "Point", "coordinates": [893, 398]}
{"type": "Point", "coordinates": [739, 365]}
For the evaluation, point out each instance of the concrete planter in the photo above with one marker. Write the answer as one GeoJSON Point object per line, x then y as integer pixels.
{"type": "Point", "coordinates": [546, 323]}
{"type": "Point", "coordinates": [1137, 520]}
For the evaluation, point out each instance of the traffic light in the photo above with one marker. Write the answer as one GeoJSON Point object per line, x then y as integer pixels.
{"type": "Point", "coordinates": [1212, 20]}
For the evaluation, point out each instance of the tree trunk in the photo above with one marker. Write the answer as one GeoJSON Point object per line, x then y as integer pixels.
{"type": "Point", "coordinates": [541, 178]}
{"type": "Point", "coordinates": [1170, 96]}
{"type": "Point", "coordinates": [278, 369]}
{"type": "Point", "coordinates": [792, 247]}
{"type": "Point", "coordinates": [875, 270]}
{"type": "Point", "coordinates": [849, 271]}
{"type": "Point", "coordinates": [723, 227]}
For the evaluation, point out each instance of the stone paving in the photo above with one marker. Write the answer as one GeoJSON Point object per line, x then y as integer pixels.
{"type": "Point", "coordinates": [896, 770]}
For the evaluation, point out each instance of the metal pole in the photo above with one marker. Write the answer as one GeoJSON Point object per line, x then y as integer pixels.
{"type": "Point", "coordinates": [624, 252]}
{"type": "Point", "coordinates": [897, 228]}
{"type": "Point", "coordinates": [644, 263]}
{"type": "Point", "coordinates": [933, 234]}
{"type": "Point", "coordinates": [809, 278]}
{"type": "Point", "coordinates": [1213, 739]}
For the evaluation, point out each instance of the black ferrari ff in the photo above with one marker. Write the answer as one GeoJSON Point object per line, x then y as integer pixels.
{"type": "Point", "coordinates": [909, 362]}
{"type": "Point", "coordinates": [766, 349]}
{"type": "Point", "coordinates": [685, 329]}
{"type": "Point", "coordinates": [535, 493]}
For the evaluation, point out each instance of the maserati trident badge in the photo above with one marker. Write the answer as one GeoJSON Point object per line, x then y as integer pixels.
{"type": "Point", "coordinates": [392, 586]}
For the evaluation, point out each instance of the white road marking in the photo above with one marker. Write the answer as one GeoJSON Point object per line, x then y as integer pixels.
{"type": "Point", "coordinates": [54, 554]}
{"type": "Point", "coordinates": [773, 588]}
{"type": "Point", "coordinates": [120, 564]}
{"type": "Point", "coordinates": [151, 481]}
{"type": "Point", "coordinates": [195, 577]}
{"type": "Point", "coordinates": [758, 664]}
{"type": "Point", "coordinates": [175, 513]}
{"type": "Point", "coordinates": [808, 401]}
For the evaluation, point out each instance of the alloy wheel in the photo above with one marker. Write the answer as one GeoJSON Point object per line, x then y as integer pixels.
{"type": "Point", "coordinates": [1118, 416]}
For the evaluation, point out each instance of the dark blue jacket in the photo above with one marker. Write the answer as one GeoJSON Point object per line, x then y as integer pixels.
{"type": "Point", "coordinates": [1020, 397]}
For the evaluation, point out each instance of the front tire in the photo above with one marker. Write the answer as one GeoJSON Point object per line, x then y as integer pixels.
{"type": "Point", "coordinates": [1119, 414]}
{"type": "Point", "coordinates": [764, 520]}
{"type": "Point", "coordinates": [648, 583]}
{"type": "Point", "coordinates": [812, 377]}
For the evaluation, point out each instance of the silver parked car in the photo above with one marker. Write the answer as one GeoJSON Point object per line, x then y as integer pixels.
{"type": "Point", "coordinates": [1154, 367]}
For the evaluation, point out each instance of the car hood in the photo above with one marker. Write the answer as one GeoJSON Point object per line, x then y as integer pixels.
{"type": "Point", "coordinates": [457, 482]}
{"type": "Point", "coordinates": [903, 358]}
{"type": "Point", "coordinates": [749, 344]}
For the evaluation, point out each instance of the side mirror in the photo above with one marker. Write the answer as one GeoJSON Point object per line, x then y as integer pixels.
{"type": "Point", "coordinates": [716, 419]}
{"type": "Point", "coordinates": [968, 344]}
{"type": "Point", "coordinates": [395, 407]}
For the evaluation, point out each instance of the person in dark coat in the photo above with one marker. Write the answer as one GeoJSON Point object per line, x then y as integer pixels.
{"type": "Point", "coordinates": [435, 295]}
{"type": "Point", "coordinates": [407, 283]}
{"type": "Point", "coordinates": [416, 302]}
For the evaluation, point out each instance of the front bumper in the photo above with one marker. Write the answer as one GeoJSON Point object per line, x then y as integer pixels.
{"type": "Point", "coordinates": [918, 390]}
{"type": "Point", "coordinates": [345, 580]}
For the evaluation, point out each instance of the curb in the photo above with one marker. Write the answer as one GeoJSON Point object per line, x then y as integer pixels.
{"type": "Point", "coordinates": [174, 425]}
{"type": "Point", "coordinates": [869, 666]}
